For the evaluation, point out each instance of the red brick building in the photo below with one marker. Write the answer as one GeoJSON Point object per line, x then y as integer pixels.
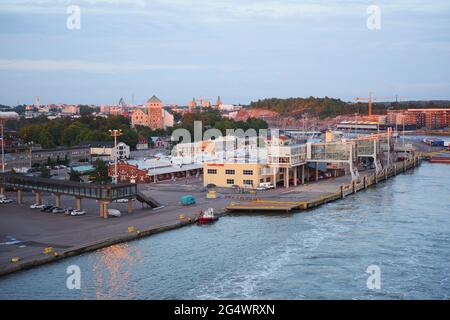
{"type": "Point", "coordinates": [129, 173]}
{"type": "Point", "coordinates": [132, 173]}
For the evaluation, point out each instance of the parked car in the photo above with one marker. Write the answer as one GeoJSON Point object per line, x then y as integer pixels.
{"type": "Point", "coordinates": [37, 206]}
{"type": "Point", "coordinates": [124, 200]}
{"type": "Point", "coordinates": [187, 200]}
{"type": "Point", "coordinates": [58, 210]}
{"type": "Point", "coordinates": [5, 200]}
{"type": "Point", "coordinates": [210, 185]}
{"type": "Point", "coordinates": [48, 208]}
{"type": "Point", "coordinates": [114, 213]}
{"type": "Point", "coordinates": [267, 185]}
{"type": "Point", "coordinates": [69, 211]}
{"type": "Point", "coordinates": [77, 213]}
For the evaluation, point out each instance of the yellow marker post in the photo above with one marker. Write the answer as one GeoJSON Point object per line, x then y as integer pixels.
{"type": "Point", "coordinates": [15, 259]}
{"type": "Point", "coordinates": [48, 250]}
{"type": "Point", "coordinates": [131, 229]}
{"type": "Point", "coordinates": [181, 216]}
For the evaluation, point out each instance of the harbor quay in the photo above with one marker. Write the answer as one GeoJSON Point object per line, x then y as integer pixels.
{"type": "Point", "coordinates": [35, 238]}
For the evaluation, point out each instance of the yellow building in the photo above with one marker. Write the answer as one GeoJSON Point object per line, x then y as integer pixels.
{"type": "Point", "coordinates": [242, 174]}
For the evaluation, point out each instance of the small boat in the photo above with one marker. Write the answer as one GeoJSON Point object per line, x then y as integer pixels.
{"type": "Point", "coordinates": [207, 216]}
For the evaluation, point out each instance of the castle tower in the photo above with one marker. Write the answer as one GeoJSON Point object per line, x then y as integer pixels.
{"type": "Point", "coordinates": [218, 102]}
{"type": "Point", "coordinates": [192, 104]}
{"type": "Point", "coordinates": [155, 113]}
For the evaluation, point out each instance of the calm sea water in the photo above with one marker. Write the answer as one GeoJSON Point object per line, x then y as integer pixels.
{"type": "Point", "coordinates": [402, 226]}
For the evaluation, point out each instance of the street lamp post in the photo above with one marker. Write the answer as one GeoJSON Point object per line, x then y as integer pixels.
{"type": "Point", "coordinates": [3, 145]}
{"type": "Point", "coordinates": [115, 133]}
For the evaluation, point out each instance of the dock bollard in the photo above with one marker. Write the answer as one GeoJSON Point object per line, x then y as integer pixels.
{"type": "Point", "coordinates": [365, 182]}
{"type": "Point", "coordinates": [353, 186]}
{"type": "Point", "coordinates": [342, 191]}
{"type": "Point", "coordinates": [385, 173]}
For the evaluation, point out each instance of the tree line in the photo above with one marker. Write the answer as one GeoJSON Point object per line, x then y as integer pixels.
{"type": "Point", "coordinates": [331, 107]}
{"type": "Point", "coordinates": [70, 132]}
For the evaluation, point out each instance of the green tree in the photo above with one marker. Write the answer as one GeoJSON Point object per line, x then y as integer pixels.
{"type": "Point", "coordinates": [100, 174]}
{"type": "Point", "coordinates": [44, 171]}
{"type": "Point", "coordinates": [74, 175]}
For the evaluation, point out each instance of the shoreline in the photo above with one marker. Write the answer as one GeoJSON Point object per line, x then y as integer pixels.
{"type": "Point", "coordinates": [137, 234]}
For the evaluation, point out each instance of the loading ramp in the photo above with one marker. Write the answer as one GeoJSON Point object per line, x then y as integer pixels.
{"type": "Point", "coordinates": [147, 200]}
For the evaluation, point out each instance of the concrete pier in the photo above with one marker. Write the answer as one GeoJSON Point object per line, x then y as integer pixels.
{"type": "Point", "coordinates": [318, 193]}
{"type": "Point", "coordinates": [78, 203]}
{"type": "Point", "coordinates": [38, 197]}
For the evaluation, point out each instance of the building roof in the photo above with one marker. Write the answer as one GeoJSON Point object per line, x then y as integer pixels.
{"type": "Point", "coordinates": [98, 144]}
{"type": "Point", "coordinates": [142, 139]}
{"type": "Point", "coordinates": [154, 99]}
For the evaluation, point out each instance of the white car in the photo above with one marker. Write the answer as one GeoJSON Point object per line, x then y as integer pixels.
{"type": "Point", "coordinates": [267, 185]}
{"type": "Point", "coordinates": [58, 210]}
{"type": "Point", "coordinates": [5, 200]}
{"type": "Point", "coordinates": [77, 213]}
{"type": "Point", "coordinates": [122, 200]}
{"type": "Point", "coordinates": [37, 206]}
{"type": "Point", "coordinates": [114, 213]}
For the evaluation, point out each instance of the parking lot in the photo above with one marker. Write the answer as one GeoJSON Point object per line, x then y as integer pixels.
{"type": "Point", "coordinates": [25, 232]}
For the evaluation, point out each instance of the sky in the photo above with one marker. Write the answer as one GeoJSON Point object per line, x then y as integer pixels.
{"type": "Point", "coordinates": [240, 50]}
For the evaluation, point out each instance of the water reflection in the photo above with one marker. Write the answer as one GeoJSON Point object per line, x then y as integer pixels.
{"type": "Point", "coordinates": [112, 271]}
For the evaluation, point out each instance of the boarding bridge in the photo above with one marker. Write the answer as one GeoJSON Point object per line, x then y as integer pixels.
{"type": "Point", "coordinates": [103, 193]}
{"type": "Point", "coordinates": [334, 152]}
{"type": "Point", "coordinates": [289, 159]}
{"type": "Point", "coordinates": [369, 148]}
{"type": "Point", "coordinates": [374, 146]}
{"type": "Point", "coordinates": [287, 156]}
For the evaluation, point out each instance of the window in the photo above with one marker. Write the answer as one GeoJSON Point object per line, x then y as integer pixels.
{"type": "Point", "coordinates": [230, 181]}
{"type": "Point", "coordinates": [248, 172]}
{"type": "Point", "coordinates": [248, 182]}
{"type": "Point", "coordinates": [230, 171]}
{"type": "Point", "coordinates": [212, 171]}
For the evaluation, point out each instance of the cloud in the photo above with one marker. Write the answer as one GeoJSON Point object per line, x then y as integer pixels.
{"type": "Point", "coordinates": [95, 67]}
{"type": "Point", "coordinates": [223, 11]}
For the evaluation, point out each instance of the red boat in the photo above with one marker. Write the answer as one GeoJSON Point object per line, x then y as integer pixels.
{"type": "Point", "coordinates": [207, 216]}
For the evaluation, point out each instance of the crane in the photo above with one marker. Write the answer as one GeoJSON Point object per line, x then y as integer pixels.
{"type": "Point", "coordinates": [370, 99]}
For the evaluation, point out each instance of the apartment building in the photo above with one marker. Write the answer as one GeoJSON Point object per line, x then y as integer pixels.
{"type": "Point", "coordinates": [421, 118]}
